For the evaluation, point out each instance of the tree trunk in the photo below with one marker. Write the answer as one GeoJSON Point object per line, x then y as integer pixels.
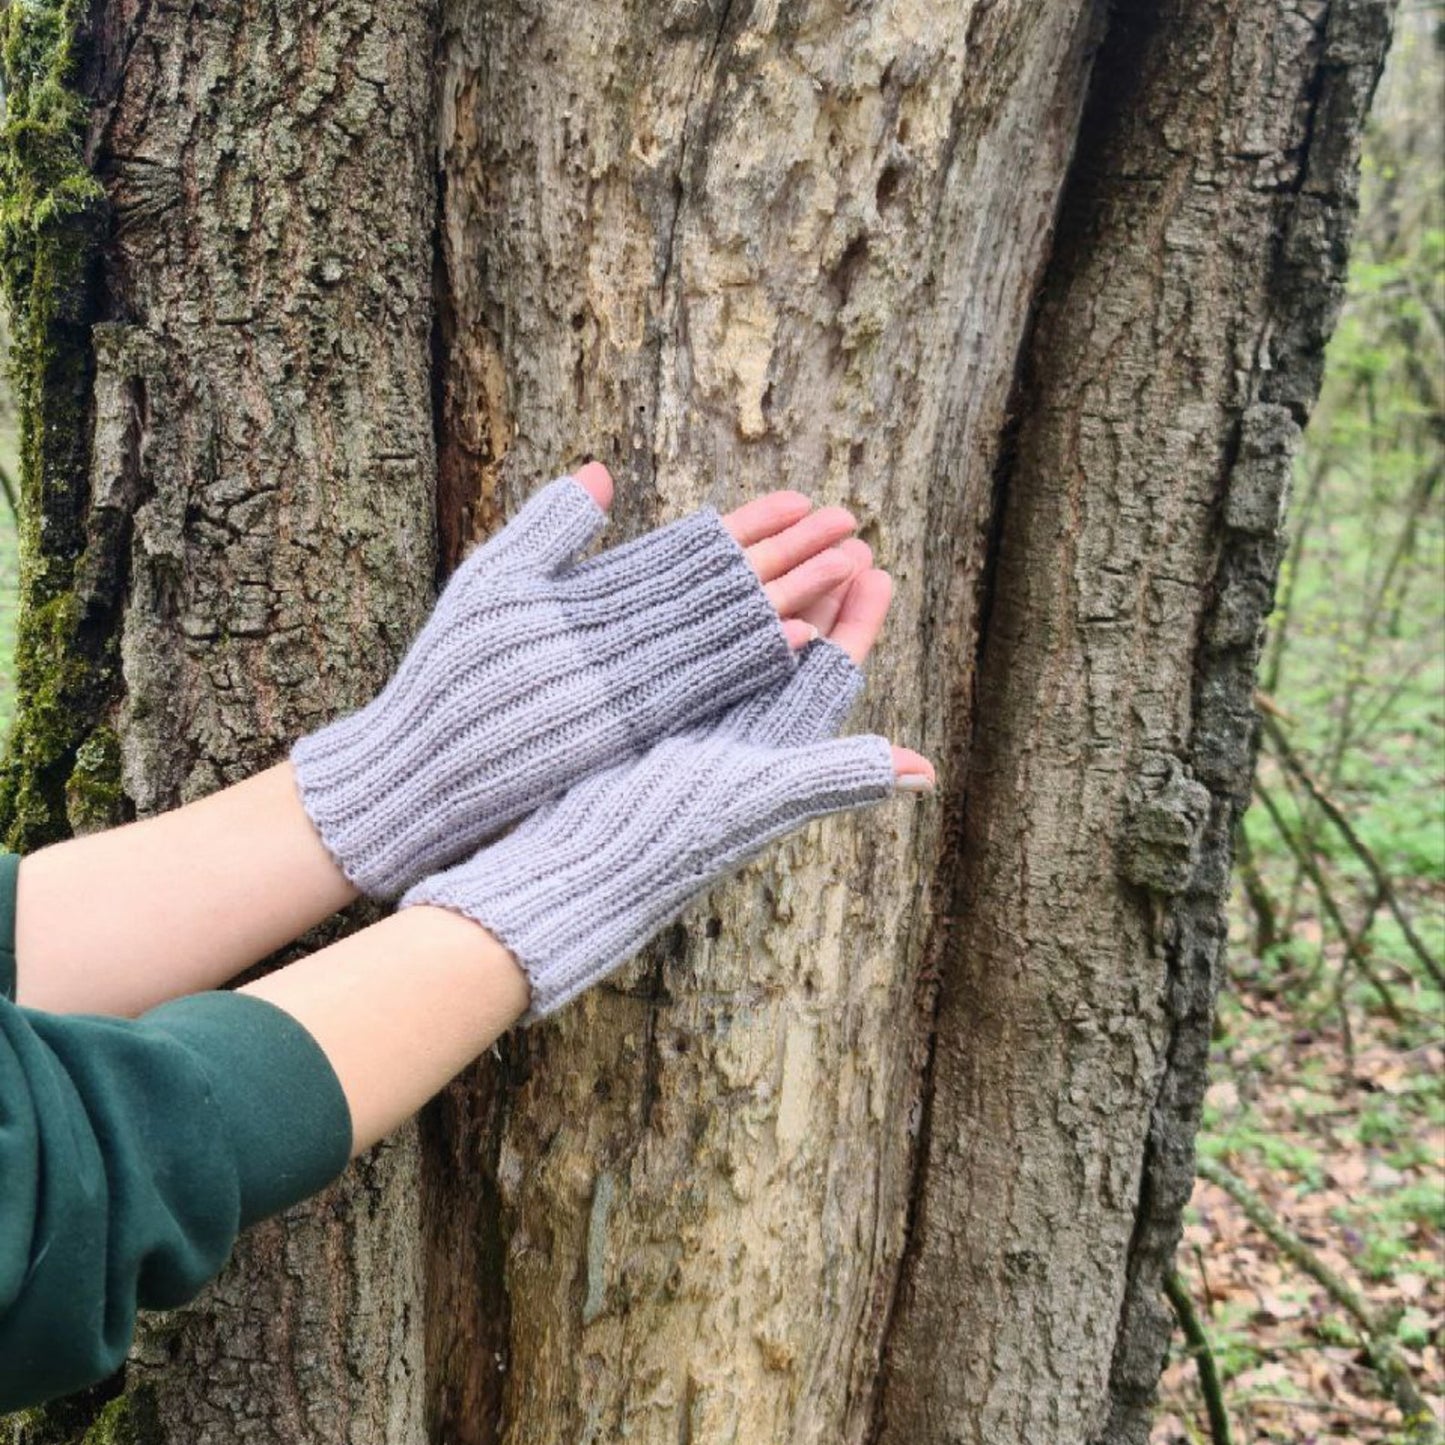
{"type": "Point", "coordinates": [753, 249]}
{"type": "Point", "coordinates": [255, 546]}
{"type": "Point", "coordinates": [890, 1138]}
{"type": "Point", "coordinates": [1195, 276]}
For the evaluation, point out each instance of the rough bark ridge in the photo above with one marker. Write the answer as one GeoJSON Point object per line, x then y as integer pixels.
{"type": "Point", "coordinates": [726, 250]}
{"type": "Point", "coordinates": [1175, 354]}
{"type": "Point", "coordinates": [261, 482]}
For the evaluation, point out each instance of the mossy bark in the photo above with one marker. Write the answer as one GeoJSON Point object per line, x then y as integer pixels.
{"type": "Point", "coordinates": [217, 246]}
{"type": "Point", "coordinates": [52, 214]}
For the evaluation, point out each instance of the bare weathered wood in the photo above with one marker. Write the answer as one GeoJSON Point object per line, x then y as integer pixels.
{"type": "Point", "coordinates": [726, 250]}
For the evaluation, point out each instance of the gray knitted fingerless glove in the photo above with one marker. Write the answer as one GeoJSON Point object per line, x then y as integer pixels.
{"type": "Point", "coordinates": [580, 886]}
{"type": "Point", "coordinates": [533, 671]}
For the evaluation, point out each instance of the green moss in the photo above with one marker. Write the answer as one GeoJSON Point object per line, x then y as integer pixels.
{"type": "Point", "coordinates": [130, 1419]}
{"type": "Point", "coordinates": [67, 1421]}
{"type": "Point", "coordinates": [46, 674]}
{"type": "Point", "coordinates": [51, 216]}
{"type": "Point", "coordinates": [60, 759]}
{"type": "Point", "coordinates": [59, 756]}
{"type": "Point", "coordinates": [94, 797]}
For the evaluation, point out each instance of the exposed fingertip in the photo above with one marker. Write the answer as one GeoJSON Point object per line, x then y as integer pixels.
{"type": "Point", "coordinates": [879, 583]}
{"type": "Point", "coordinates": [837, 519]}
{"type": "Point", "coordinates": [799, 633]}
{"type": "Point", "coordinates": [913, 783]}
{"type": "Point", "coordinates": [596, 480]}
{"type": "Point", "coordinates": [913, 773]}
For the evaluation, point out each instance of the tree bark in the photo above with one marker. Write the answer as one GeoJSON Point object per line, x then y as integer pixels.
{"type": "Point", "coordinates": [889, 1139]}
{"type": "Point", "coordinates": [755, 248]}
{"type": "Point", "coordinates": [259, 502]}
{"type": "Point", "coordinates": [1176, 353]}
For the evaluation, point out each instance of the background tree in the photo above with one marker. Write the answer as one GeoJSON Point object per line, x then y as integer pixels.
{"type": "Point", "coordinates": [1312, 1249]}
{"type": "Point", "coordinates": [891, 1140]}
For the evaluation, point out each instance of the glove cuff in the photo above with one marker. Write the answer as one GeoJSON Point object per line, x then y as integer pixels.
{"type": "Point", "coordinates": [582, 885]}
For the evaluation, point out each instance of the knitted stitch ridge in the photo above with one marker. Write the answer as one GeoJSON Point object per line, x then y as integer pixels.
{"type": "Point", "coordinates": [582, 884]}
{"type": "Point", "coordinates": [533, 671]}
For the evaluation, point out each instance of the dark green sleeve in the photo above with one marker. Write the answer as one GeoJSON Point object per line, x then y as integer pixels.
{"type": "Point", "coordinates": [132, 1152]}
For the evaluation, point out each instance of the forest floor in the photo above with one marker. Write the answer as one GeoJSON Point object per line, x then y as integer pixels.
{"type": "Point", "coordinates": [1336, 1120]}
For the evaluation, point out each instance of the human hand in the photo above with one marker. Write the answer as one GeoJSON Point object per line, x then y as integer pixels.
{"type": "Point", "coordinates": [792, 549]}
{"type": "Point", "coordinates": [582, 884]}
{"type": "Point", "coordinates": [536, 669]}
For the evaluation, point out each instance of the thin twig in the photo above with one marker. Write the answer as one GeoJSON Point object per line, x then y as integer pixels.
{"type": "Point", "coordinates": [1266, 926]}
{"type": "Point", "coordinates": [1281, 748]}
{"type": "Point", "coordinates": [1199, 1347]}
{"type": "Point", "coordinates": [1320, 1408]}
{"type": "Point", "coordinates": [1279, 629]}
{"type": "Point", "coordinates": [1416, 503]}
{"type": "Point", "coordinates": [1311, 868]}
{"type": "Point", "coordinates": [1393, 693]}
{"type": "Point", "coordinates": [1342, 1006]}
{"type": "Point", "coordinates": [1379, 1347]}
{"type": "Point", "coordinates": [1337, 990]}
{"type": "Point", "coordinates": [1300, 878]}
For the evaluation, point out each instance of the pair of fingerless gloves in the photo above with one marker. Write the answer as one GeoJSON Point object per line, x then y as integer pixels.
{"type": "Point", "coordinates": [642, 711]}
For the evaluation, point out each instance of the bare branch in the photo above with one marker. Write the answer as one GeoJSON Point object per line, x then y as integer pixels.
{"type": "Point", "coordinates": [1375, 1336]}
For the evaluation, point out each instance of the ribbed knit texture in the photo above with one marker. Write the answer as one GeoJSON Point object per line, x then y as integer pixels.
{"type": "Point", "coordinates": [533, 671]}
{"type": "Point", "coordinates": [580, 886]}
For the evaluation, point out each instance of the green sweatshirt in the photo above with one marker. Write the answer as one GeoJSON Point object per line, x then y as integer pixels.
{"type": "Point", "coordinates": [132, 1152]}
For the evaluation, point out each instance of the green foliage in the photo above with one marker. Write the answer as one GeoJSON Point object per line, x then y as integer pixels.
{"type": "Point", "coordinates": [1246, 1134]}
{"type": "Point", "coordinates": [1235, 1348]}
{"type": "Point", "coordinates": [1356, 656]}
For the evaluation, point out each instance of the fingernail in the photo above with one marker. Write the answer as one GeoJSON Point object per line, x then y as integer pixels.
{"type": "Point", "coordinates": [913, 783]}
{"type": "Point", "coordinates": [813, 633]}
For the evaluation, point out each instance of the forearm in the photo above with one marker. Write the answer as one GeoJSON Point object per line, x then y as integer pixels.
{"type": "Point", "coordinates": [135, 1150]}
{"type": "Point", "coordinates": [120, 921]}
{"type": "Point", "coordinates": [399, 1009]}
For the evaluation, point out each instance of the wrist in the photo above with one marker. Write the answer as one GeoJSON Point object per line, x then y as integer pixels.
{"type": "Point", "coordinates": [401, 1008]}
{"type": "Point", "coordinates": [453, 938]}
